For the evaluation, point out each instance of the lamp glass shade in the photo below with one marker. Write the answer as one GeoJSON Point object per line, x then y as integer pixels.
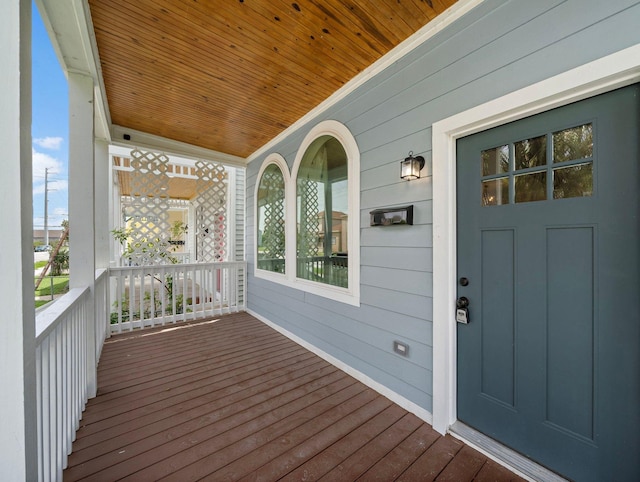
{"type": "Point", "coordinates": [410, 168]}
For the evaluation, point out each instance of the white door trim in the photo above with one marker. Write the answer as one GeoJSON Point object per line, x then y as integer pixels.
{"type": "Point", "coordinates": [607, 73]}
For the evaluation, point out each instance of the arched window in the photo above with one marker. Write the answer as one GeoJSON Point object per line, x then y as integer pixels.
{"type": "Point", "coordinates": [307, 226]}
{"type": "Point", "coordinates": [327, 205]}
{"type": "Point", "coordinates": [270, 216]}
{"type": "Point", "coordinates": [323, 213]}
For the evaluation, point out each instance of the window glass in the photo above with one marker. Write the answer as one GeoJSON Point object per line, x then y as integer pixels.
{"type": "Point", "coordinates": [531, 152]}
{"type": "Point", "coordinates": [271, 226]}
{"type": "Point", "coordinates": [531, 187]}
{"type": "Point", "coordinates": [322, 213]}
{"type": "Point", "coordinates": [573, 181]}
{"type": "Point", "coordinates": [495, 192]}
{"type": "Point", "coordinates": [572, 144]}
{"type": "Point", "coordinates": [495, 161]}
{"type": "Point", "coordinates": [530, 177]}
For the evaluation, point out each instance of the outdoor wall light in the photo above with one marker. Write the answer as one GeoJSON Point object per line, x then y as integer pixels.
{"type": "Point", "coordinates": [410, 167]}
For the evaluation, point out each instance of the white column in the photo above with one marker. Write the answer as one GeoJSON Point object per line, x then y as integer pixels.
{"type": "Point", "coordinates": [18, 436]}
{"type": "Point", "coordinates": [115, 215]}
{"type": "Point", "coordinates": [102, 202]}
{"type": "Point", "coordinates": [82, 244]}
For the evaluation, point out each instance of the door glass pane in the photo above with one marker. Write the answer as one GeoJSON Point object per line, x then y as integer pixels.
{"type": "Point", "coordinates": [572, 144]}
{"type": "Point", "coordinates": [531, 187]}
{"type": "Point", "coordinates": [531, 152]}
{"type": "Point", "coordinates": [495, 161]}
{"type": "Point", "coordinates": [574, 181]}
{"type": "Point", "coordinates": [495, 192]}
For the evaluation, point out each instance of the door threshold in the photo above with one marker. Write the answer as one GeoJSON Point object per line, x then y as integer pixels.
{"type": "Point", "coordinates": [505, 456]}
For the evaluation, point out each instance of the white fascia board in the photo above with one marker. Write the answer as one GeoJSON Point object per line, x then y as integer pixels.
{"type": "Point", "coordinates": [72, 36]}
{"type": "Point", "coordinates": [442, 21]}
{"type": "Point", "coordinates": [170, 147]}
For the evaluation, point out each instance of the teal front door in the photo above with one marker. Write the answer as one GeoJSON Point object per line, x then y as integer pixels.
{"type": "Point", "coordinates": [549, 260]}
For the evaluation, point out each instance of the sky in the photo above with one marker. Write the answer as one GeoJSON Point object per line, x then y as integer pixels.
{"type": "Point", "coordinates": [49, 129]}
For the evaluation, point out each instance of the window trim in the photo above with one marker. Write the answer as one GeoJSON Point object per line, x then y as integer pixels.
{"type": "Point", "coordinates": [350, 295]}
{"type": "Point", "coordinates": [278, 160]}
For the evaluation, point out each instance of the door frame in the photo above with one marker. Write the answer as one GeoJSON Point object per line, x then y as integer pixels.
{"type": "Point", "coordinates": [607, 73]}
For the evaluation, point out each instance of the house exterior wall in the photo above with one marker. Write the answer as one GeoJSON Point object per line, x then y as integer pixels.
{"type": "Point", "coordinates": [54, 235]}
{"type": "Point", "coordinates": [498, 47]}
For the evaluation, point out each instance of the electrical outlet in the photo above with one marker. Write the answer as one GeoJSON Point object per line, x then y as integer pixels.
{"type": "Point", "coordinates": [401, 348]}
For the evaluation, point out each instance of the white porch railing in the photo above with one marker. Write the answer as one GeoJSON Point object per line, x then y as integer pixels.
{"type": "Point", "coordinates": [144, 296]}
{"type": "Point", "coordinates": [64, 334]}
{"type": "Point", "coordinates": [70, 334]}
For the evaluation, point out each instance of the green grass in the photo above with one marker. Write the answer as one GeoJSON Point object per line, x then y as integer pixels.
{"type": "Point", "coordinates": [40, 264]}
{"type": "Point", "coordinates": [60, 284]}
{"type": "Point", "coordinates": [39, 303]}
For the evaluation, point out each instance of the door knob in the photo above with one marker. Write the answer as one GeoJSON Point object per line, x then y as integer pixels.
{"type": "Point", "coordinates": [462, 302]}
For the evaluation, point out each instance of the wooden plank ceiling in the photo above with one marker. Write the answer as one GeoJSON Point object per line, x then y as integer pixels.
{"type": "Point", "coordinates": [230, 75]}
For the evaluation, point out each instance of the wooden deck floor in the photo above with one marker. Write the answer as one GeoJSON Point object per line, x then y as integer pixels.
{"type": "Point", "coordinates": [232, 399]}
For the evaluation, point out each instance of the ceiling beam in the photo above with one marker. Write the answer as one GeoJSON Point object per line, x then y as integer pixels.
{"type": "Point", "coordinates": [169, 146]}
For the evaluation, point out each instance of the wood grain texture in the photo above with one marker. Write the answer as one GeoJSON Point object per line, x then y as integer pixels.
{"type": "Point", "coordinates": [232, 399]}
{"type": "Point", "coordinates": [231, 75]}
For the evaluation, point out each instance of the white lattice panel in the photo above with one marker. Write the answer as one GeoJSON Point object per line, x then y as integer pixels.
{"type": "Point", "coordinates": [211, 216]}
{"type": "Point", "coordinates": [146, 210]}
{"type": "Point", "coordinates": [309, 227]}
{"type": "Point", "coordinates": [273, 236]}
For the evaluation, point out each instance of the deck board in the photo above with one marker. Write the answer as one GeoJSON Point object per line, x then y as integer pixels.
{"type": "Point", "coordinates": [232, 399]}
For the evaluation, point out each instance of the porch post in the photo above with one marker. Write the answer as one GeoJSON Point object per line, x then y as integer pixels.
{"type": "Point", "coordinates": [102, 211]}
{"type": "Point", "coordinates": [18, 434]}
{"type": "Point", "coordinates": [82, 250]}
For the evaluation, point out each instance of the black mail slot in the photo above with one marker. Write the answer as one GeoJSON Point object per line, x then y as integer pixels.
{"type": "Point", "coordinates": [391, 216]}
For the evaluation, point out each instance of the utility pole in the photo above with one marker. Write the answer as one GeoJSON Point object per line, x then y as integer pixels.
{"type": "Point", "coordinates": [46, 204]}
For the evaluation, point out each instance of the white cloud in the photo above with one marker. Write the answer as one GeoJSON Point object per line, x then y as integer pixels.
{"type": "Point", "coordinates": [52, 143]}
{"type": "Point", "coordinates": [57, 216]}
{"type": "Point", "coordinates": [42, 161]}
{"type": "Point", "coordinates": [60, 185]}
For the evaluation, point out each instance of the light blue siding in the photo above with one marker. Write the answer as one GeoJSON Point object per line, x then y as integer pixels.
{"type": "Point", "coordinates": [497, 48]}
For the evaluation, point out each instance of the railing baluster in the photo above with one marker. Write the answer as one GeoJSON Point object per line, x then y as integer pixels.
{"type": "Point", "coordinates": [217, 302]}
{"type": "Point", "coordinates": [53, 408]}
{"type": "Point", "coordinates": [201, 295]}
{"type": "Point", "coordinates": [46, 413]}
{"type": "Point", "coordinates": [224, 291]}
{"type": "Point", "coordinates": [141, 301]}
{"type": "Point", "coordinates": [233, 287]}
{"type": "Point", "coordinates": [62, 343]}
{"type": "Point", "coordinates": [174, 293]}
{"type": "Point", "coordinates": [185, 299]}
{"type": "Point", "coordinates": [209, 293]}
{"type": "Point", "coordinates": [40, 430]}
{"type": "Point", "coordinates": [131, 290]}
{"type": "Point", "coordinates": [67, 419]}
{"type": "Point", "coordinates": [162, 293]}
{"type": "Point", "coordinates": [192, 290]}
